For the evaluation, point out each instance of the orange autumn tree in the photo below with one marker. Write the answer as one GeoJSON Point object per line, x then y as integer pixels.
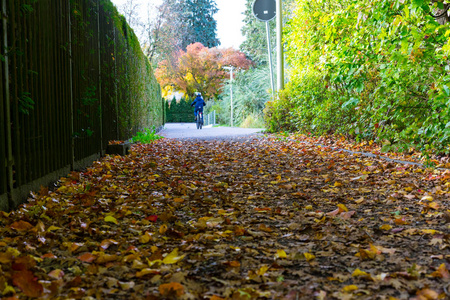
{"type": "Point", "coordinates": [199, 69]}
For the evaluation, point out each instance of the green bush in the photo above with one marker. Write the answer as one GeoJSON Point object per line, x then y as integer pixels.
{"type": "Point", "coordinates": [146, 137]}
{"type": "Point", "coordinates": [373, 70]}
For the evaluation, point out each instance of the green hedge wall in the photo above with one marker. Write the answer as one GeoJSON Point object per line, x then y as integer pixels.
{"type": "Point", "coordinates": [179, 112]}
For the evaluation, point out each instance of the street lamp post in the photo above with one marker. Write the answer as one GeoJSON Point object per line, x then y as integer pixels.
{"type": "Point", "coordinates": [231, 68]}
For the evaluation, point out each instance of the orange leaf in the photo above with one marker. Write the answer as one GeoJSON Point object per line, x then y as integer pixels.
{"type": "Point", "coordinates": [87, 257]}
{"type": "Point", "coordinates": [21, 226]}
{"type": "Point", "coordinates": [400, 221]}
{"type": "Point", "coordinates": [171, 289]}
{"type": "Point", "coordinates": [152, 218]}
{"type": "Point", "coordinates": [343, 207]}
{"type": "Point", "coordinates": [178, 200]}
{"type": "Point", "coordinates": [234, 264]}
{"type": "Point", "coordinates": [427, 294]}
{"type": "Point", "coordinates": [441, 272]}
{"type": "Point", "coordinates": [26, 281]}
{"type": "Point", "coordinates": [263, 209]}
{"type": "Point", "coordinates": [49, 255]}
{"type": "Point", "coordinates": [106, 243]}
{"type": "Point", "coordinates": [214, 297]}
{"type": "Point", "coordinates": [263, 227]}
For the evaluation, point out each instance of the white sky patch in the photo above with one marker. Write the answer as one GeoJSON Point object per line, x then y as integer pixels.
{"type": "Point", "coordinates": [229, 19]}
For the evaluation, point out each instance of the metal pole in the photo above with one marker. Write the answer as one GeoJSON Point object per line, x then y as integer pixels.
{"type": "Point", "coordinates": [10, 158]}
{"type": "Point", "coordinates": [269, 47]}
{"type": "Point", "coordinates": [280, 55]}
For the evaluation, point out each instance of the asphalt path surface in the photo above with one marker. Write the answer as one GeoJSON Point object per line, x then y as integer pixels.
{"type": "Point", "coordinates": [190, 131]}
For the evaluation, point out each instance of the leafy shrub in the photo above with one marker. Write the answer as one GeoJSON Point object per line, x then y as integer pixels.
{"type": "Point", "coordinates": [373, 70]}
{"type": "Point", "coordinates": [146, 137]}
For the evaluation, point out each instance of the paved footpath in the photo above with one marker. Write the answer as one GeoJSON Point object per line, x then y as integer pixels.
{"type": "Point", "coordinates": [189, 131]}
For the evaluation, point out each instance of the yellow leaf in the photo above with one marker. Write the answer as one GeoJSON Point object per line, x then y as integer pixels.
{"type": "Point", "coordinates": [53, 228]}
{"type": "Point", "coordinates": [386, 227]}
{"type": "Point", "coordinates": [427, 198]}
{"type": "Point", "coordinates": [8, 289]}
{"type": "Point", "coordinates": [111, 219]}
{"type": "Point", "coordinates": [173, 257]}
{"type": "Point", "coordinates": [428, 231]}
{"type": "Point", "coordinates": [309, 207]}
{"type": "Point", "coordinates": [433, 205]}
{"type": "Point", "coordinates": [56, 274]}
{"type": "Point", "coordinates": [309, 256]}
{"type": "Point", "coordinates": [163, 229]}
{"type": "Point", "coordinates": [349, 288]}
{"type": "Point", "coordinates": [441, 272]}
{"type": "Point", "coordinates": [263, 270]}
{"type": "Point", "coordinates": [146, 238]}
{"type": "Point", "coordinates": [343, 207]}
{"type": "Point", "coordinates": [280, 254]}
{"type": "Point", "coordinates": [146, 271]}
{"type": "Point", "coordinates": [358, 273]}
{"type": "Point", "coordinates": [178, 200]}
{"type": "Point", "coordinates": [337, 184]}
{"type": "Point", "coordinates": [360, 200]}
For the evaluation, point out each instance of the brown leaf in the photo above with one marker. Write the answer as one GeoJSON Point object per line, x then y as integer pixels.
{"type": "Point", "coordinates": [27, 282]}
{"type": "Point", "coordinates": [171, 289]}
{"type": "Point", "coordinates": [87, 257]}
{"type": "Point", "coordinates": [21, 226]}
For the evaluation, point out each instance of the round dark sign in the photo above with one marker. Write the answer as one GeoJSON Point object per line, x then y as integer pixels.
{"type": "Point", "coordinates": [265, 10]}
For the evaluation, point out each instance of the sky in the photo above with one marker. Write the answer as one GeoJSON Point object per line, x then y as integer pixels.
{"type": "Point", "coordinates": [229, 19]}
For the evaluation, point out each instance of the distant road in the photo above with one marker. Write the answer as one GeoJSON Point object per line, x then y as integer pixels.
{"type": "Point", "coordinates": [189, 131]}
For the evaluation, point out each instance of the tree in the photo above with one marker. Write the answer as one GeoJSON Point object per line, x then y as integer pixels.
{"type": "Point", "coordinates": [165, 32]}
{"type": "Point", "coordinates": [199, 14]}
{"type": "Point", "coordinates": [130, 10]}
{"type": "Point", "coordinates": [199, 69]}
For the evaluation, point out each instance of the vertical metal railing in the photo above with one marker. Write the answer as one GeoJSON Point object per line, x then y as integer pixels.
{"type": "Point", "coordinates": [210, 119]}
{"type": "Point", "coordinates": [66, 89]}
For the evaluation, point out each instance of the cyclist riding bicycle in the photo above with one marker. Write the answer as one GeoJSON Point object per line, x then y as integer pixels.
{"type": "Point", "coordinates": [199, 103]}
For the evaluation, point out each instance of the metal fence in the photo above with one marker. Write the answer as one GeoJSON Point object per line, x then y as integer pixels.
{"type": "Point", "coordinates": [67, 87]}
{"type": "Point", "coordinates": [210, 119]}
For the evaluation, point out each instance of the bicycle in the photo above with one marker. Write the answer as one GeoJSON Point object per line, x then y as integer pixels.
{"type": "Point", "coordinates": [199, 120]}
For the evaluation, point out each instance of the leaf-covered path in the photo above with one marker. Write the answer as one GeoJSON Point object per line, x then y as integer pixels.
{"type": "Point", "coordinates": [259, 218]}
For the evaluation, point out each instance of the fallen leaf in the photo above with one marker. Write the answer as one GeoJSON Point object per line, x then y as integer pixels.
{"type": "Point", "coordinates": [27, 282]}
{"type": "Point", "coordinates": [152, 218]}
{"type": "Point", "coordinates": [349, 288]}
{"type": "Point", "coordinates": [281, 254]}
{"type": "Point", "coordinates": [111, 219]}
{"type": "Point", "coordinates": [56, 274]}
{"type": "Point", "coordinates": [87, 257]}
{"type": "Point", "coordinates": [21, 226]}
{"type": "Point", "coordinates": [386, 227]}
{"type": "Point", "coordinates": [171, 289]}
{"type": "Point", "coordinates": [173, 257]}
{"type": "Point", "coordinates": [427, 294]}
{"type": "Point", "coordinates": [262, 270]}
{"type": "Point", "coordinates": [309, 256]}
{"type": "Point", "coordinates": [441, 272]}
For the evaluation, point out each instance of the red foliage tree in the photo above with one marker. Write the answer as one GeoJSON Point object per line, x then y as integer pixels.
{"type": "Point", "coordinates": [199, 69]}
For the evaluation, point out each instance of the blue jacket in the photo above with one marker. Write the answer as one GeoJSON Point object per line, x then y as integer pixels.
{"type": "Point", "coordinates": [199, 103]}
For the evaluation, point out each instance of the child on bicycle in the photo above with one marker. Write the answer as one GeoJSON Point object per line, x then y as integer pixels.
{"type": "Point", "coordinates": [199, 104]}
